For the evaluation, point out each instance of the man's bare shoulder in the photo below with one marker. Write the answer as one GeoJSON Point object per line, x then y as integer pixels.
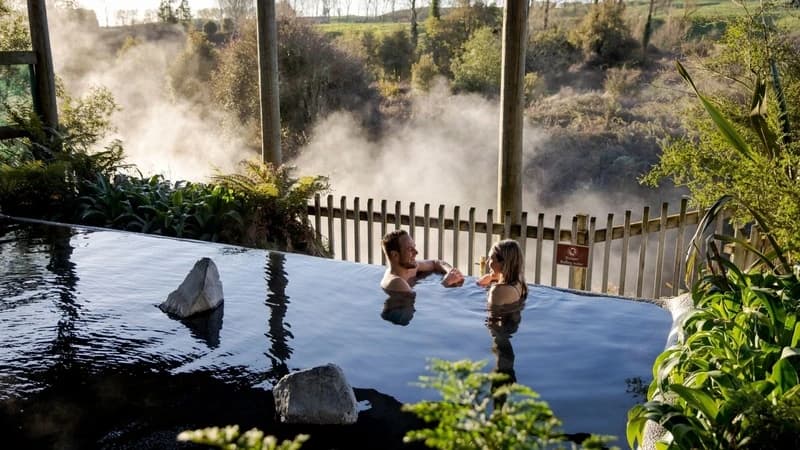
{"type": "Point", "coordinates": [393, 283]}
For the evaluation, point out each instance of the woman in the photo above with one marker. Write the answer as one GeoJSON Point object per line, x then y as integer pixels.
{"type": "Point", "coordinates": [506, 274]}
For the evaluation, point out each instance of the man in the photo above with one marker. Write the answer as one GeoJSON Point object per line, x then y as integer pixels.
{"type": "Point", "coordinates": [401, 253]}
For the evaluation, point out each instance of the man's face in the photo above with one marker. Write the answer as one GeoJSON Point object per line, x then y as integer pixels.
{"type": "Point", "coordinates": [407, 258]}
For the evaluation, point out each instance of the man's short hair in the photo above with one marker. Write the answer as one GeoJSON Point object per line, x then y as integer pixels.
{"type": "Point", "coordinates": [391, 241]}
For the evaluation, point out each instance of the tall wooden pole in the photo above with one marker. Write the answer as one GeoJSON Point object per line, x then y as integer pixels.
{"type": "Point", "coordinates": [509, 167]}
{"type": "Point", "coordinates": [45, 77]}
{"type": "Point", "coordinates": [268, 82]}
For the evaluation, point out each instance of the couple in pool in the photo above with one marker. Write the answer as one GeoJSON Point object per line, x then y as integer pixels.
{"type": "Point", "coordinates": [505, 280]}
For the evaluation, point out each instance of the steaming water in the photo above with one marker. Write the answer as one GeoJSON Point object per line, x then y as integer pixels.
{"type": "Point", "coordinates": [78, 303]}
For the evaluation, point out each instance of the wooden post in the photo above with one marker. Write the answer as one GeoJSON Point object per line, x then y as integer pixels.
{"type": "Point", "coordinates": [45, 76]}
{"type": "Point", "coordinates": [268, 82]}
{"type": "Point", "coordinates": [509, 167]}
{"type": "Point", "coordinates": [578, 274]}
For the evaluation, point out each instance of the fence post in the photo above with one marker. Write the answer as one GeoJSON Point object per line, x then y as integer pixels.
{"type": "Point", "coordinates": [370, 237]}
{"type": "Point", "coordinates": [579, 238]}
{"type": "Point", "coordinates": [357, 229]}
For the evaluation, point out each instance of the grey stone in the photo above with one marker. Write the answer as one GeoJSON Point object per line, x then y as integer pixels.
{"type": "Point", "coordinates": [320, 395]}
{"type": "Point", "coordinates": [200, 291]}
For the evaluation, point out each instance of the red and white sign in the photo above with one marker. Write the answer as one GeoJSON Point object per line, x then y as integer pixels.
{"type": "Point", "coordinates": [572, 255]}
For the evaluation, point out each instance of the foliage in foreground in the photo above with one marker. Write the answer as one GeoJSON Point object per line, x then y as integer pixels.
{"type": "Point", "coordinates": [229, 438]}
{"type": "Point", "coordinates": [483, 411]}
{"type": "Point", "coordinates": [732, 383]}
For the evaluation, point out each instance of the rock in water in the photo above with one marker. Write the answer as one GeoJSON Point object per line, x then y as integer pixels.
{"type": "Point", "coordinates": [200, 291]}
{"type": "Point", "coordinates": [320, 395]}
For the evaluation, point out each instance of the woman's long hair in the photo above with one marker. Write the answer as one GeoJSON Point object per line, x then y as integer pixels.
{"type": "Point", "coordinates": [509, 254]}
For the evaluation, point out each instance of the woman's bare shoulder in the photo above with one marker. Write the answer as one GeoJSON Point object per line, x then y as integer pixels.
{"type": "Point", "coordinates": [503, 293]}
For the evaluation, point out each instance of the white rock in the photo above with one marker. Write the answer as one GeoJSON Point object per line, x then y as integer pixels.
{"type": "Point", "coordinates": [200, 291]}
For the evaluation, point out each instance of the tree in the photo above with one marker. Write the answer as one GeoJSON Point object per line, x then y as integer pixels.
{"type": "Point", "coordinates": [396, 53]}
{"type": "Point", "coordinates": [414, 26]}
{"type": "Point", "coordinates": [603, 34]}
{"type": "Point", "coordinates": [166, 12]}
{"type": "Point", "coordinates": [237, 10]}
{"type": "Point", "coordinates": [315, 76]}
{"type": "Point", "coordinates": [435, 11]}
{"type": "Point", "coordinates": [183, 12]}
{"type": "Point", "coordinates": [478, 68]}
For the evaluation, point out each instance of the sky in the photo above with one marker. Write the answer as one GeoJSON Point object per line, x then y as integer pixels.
{"type": "Point", "coordinates": [108, 8]}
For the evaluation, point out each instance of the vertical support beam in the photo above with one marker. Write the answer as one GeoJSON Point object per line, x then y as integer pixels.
{"type": "Point", "coordinates": [268, 83]}
{"type": "Point", "coordinates": [45, 84]}
{"type": "Point", "coordinates": [509, 167]}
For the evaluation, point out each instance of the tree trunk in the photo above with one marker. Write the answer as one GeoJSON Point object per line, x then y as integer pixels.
{"type": "Point", "coordinates": [414, 30]}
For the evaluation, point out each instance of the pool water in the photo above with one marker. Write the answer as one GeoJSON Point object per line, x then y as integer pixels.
{"type": "Point", "coordinates": [89, 361]}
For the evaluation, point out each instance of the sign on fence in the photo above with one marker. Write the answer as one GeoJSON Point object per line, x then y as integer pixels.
{"type": "Point", "coordinates": [572, 255]}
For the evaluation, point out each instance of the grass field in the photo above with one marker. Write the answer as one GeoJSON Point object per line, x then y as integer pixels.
{"type": "Point", "coordinates": [379, 28]}
{"type": "Point", "coordinates": [708, 16]}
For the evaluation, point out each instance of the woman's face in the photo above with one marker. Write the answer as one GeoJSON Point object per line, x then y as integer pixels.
{"type": "Point", "coordinates": [495, 266]}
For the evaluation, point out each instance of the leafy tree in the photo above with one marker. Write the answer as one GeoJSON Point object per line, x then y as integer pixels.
{"type": "Point", "coordinates": [444, 38]}
{"type": "Point", "coordinates": [14, 34]}
{"type": "Point", "coordinates": [550, 52]}
{"type": "Point", "coordinates": [210, 28]}
{"type": "Point", "coordinates": [166, 12]}
{"type": "Point", "coordinates": [183, 13]}
{"type": "Point", "coordinates": [740, 146]}
{"type": "Point", "coordinates": [435, 10]}
{"type": "Point", "coordinates": [396, 52]}
{"type": "Point", "coordinates": [315, 76]}
{"type": "Point", "coordinates": [478, 68]}
{"type": "Point", "coordinates": [603, 34]}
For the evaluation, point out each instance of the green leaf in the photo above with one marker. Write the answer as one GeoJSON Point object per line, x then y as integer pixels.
{"type": "Point", "coordinates": [697, 399]}
{"type": "Point", "coordinates": [758, 118]}
{"type": "Point", "coordinates": [784, 375]}
{"type": "Point", "coordinates": [723, 125]}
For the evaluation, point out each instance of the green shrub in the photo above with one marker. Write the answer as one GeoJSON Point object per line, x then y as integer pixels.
{"type": "Point", "coordinates": [604, 36]}
{"type": "Point", "coordinates": [229, 438]}
{"type": "Point", "coordinates": [484, 411]}
{"type": "Point", "coordinates": [479, 67]}
{"type": "Point", "coordinates": [550, 52]}
{"type": "Point", "coordinates": [423, 73]}
{"type": "Point", "coordinates": [43, 175]}
{"type": "Point", "coordinates": [277, 206]}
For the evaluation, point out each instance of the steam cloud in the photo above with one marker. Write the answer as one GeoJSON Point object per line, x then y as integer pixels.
{"type": "Point", "coordinates": [161, 135]}
{"type": "Point", "coordinates": [446, 153]}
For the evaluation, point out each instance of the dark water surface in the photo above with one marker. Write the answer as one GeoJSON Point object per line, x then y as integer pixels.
{"type": "Point", "coordinates": [88, 361]}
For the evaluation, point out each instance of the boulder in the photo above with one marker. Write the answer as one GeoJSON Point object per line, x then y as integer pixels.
{"type": "Point", "coordinates": [200, 291]}
{"type": "Point", "coordinates": [320, 395]}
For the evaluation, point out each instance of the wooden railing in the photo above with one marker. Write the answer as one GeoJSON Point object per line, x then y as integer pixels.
{"type": "Point", "coordinates": [642, 258]}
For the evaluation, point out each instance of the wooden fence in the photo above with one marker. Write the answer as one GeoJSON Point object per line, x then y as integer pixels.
{"type": "Point", "coordinates": [642, 258]}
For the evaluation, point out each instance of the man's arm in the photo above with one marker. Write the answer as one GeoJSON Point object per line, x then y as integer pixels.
{"type": "Point", "coordinates": [453, 276]}
{"type": "Point", "coordinates": [434, 265]}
